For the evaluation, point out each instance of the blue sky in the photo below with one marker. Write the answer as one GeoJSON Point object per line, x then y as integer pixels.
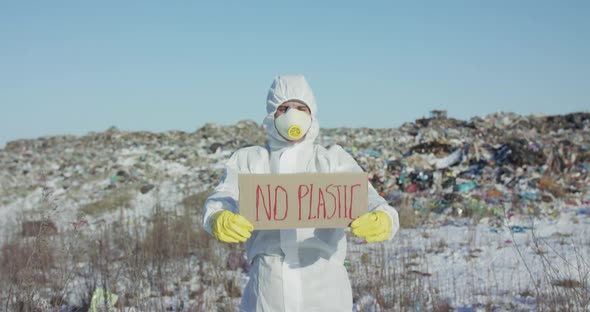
{"type": "Point", "coordinates": [71, 67]}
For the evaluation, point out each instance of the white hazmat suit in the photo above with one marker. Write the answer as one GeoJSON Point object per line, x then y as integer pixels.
{"type": "Point", "coordinates": [293, 270]}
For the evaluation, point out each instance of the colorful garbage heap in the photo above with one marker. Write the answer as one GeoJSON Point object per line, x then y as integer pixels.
{"type": "Point", "coordinates": [493, 166]}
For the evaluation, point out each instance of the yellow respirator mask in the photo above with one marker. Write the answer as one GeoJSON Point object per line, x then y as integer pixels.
{"type": "Point", "coordinates": [293, 124]}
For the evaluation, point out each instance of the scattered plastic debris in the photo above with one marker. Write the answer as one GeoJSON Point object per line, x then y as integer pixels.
{"type": "Point", "coordinates": [585, 211]}
{"type": "Point", "coordinates": [519, 229]}
{"type": "Point", "coordinates": [466, 187]}
{"type": "Point", "coordinates": [100, 298]}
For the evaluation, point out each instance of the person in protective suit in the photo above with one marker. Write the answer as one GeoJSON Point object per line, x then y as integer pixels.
{"type": "Point", "coordinates": [294, 269]}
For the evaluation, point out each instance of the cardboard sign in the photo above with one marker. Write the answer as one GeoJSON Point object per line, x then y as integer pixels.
{"type": "Point", "coordinates": [300, 200]}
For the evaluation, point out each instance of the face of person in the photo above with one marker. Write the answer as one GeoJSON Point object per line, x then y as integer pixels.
{"type": "Point", "coordinates": [295, 105]}
{"type": "Point", "coordinates": [282, 109]}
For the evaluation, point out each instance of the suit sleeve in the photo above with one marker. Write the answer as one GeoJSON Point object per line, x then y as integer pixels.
{"type": "Point", "coordinates": [225, 195]}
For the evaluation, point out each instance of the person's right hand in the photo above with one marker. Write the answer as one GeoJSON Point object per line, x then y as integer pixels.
{"type": "Point", "coordinates": [229, 227]}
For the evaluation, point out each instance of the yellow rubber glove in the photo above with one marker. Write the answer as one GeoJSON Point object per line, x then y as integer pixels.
{"type": "Point", "coordinates": [229, 227]}
{"type": "Point", "coordinates": [373, 226]}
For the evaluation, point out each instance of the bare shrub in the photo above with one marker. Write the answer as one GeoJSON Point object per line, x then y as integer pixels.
{"type": "Point", "coordinates": [25, 268]}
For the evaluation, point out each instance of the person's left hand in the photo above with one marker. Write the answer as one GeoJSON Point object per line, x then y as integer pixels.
{"type": "Point", "coordinates": [373, 226]}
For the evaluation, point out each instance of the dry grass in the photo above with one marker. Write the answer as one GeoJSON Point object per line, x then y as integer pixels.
{"type": "Point", "coordinates": [193, 203]}
{"type": "Point", "coordinates": [169, 263]}
{"type": "Point", "coordinates": [25, 264]}
{"type": "Point", "coordinates": [142, 261]}
{"type": "Point", "coordinates": [18, 257]}
{"type": "Point", "coordinates": [119, 198]}
{"type": "Point", "coordinates": [397, 276]}
{"type": "Point", "coordinates": [395, 286]}
{"type": "Point", "coordinates": [408, 218]}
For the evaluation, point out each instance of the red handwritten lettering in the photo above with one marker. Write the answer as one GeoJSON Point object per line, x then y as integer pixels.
{"type": "Point", "coordinates": [335, 202]}
{"type": "Point", "coordinates": [286, 203]}
{"type": "Point", "coordinates": [328, 202]}
{"type": "Point", "coordinates": [351, 200]}
{"type": "Point", "coordinates": [258, 195]}
{"type": "Point", "coordinates": [309, 216]}
{"type": "Point", "coordinates": [345, 211]}
{"type": "Point", "coordinates": [339, 207]}
{"type": "Point", "coordinates": [300, 196]}
{"type": "Point", "coordinates": [321, 202]}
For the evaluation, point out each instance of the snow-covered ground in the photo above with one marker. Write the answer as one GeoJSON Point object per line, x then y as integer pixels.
{"type": "Point", "coordinates": [519, 264]}
{"type": "Point", "coordinates": [504, 266]}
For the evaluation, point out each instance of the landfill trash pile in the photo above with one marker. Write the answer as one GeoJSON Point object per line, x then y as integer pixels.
{"type": "Point", "coordinates": [492, 165]}
{"type": "Point", "coordinates": [58, 175]}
